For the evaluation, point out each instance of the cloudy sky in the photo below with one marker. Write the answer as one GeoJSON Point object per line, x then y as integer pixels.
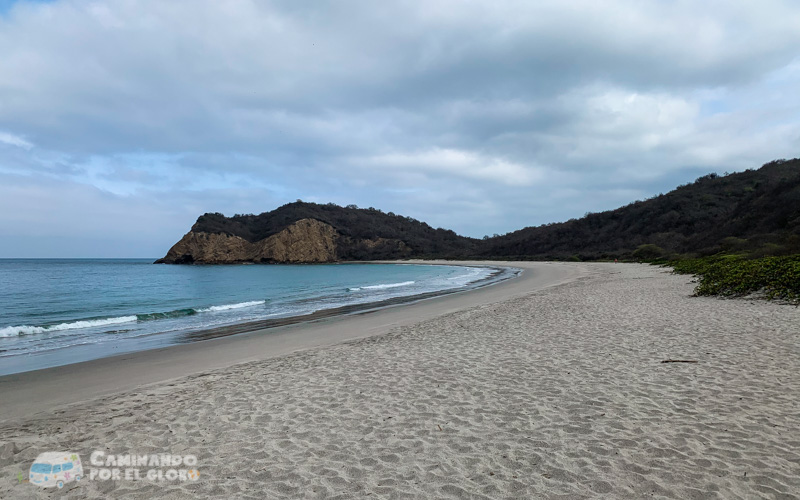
{"type": "Point", "coordinates": [122, 121]}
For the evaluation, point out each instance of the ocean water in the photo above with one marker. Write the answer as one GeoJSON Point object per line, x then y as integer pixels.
{"type": "Point", "coordinates": [54, 312]}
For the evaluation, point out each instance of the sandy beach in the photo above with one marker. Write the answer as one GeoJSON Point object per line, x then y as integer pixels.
{"type": "Point", "coordinates": [551, 385]}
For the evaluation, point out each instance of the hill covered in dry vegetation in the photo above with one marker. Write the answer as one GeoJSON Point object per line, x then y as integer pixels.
{"type": "Point", "coordinates": [756, 212]}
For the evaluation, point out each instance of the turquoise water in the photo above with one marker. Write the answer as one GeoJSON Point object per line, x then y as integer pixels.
{"type": "Point", "coordinates": [54, 312]}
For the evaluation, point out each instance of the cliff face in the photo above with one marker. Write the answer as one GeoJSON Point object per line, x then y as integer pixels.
{"type": "Point", "coordinates": [305, 241]}
{"type": "Point", "coordinates": [206, 248]}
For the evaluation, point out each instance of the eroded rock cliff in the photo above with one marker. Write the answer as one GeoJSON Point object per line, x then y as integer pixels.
{"type": "Point", "coordinates": [305, 241]}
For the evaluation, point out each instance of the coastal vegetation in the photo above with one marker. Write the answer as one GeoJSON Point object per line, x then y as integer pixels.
{"type": "Point", "coordinates": [738, 275]}
{"type": "Point", "coordinates": [752, 211]}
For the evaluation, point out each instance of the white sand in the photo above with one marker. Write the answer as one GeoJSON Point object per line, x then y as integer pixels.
{"type": "Point", "coordinates": [560, 393]}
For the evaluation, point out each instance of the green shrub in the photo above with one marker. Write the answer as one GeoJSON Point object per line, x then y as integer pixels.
{"type": "Point", "coordinates": [734, 275]}
{"type": "Point", "coordinates": [648, 252]}
{"type": "Point", "coordinates": [733, 244]}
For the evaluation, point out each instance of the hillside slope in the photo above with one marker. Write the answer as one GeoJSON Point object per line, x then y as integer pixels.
{"type": "Point", "coordinates": [760, 206]}
{"type": "Point", "coordinates": [752, 210]}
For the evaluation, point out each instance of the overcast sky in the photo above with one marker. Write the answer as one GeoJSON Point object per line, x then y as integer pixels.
{"type": "Point", "coordinates": [122, 121]}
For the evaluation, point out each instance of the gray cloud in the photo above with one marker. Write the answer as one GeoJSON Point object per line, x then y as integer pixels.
{"type": "Point", "coordinates": [481, 117]}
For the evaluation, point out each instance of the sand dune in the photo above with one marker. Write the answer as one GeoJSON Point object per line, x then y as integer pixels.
{"type": "Point", "coordinates": [560, 393]}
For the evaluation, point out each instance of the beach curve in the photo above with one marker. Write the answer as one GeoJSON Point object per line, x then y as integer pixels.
{"type": "Point", "coordinates": [569, 390]}
{"type": "Point", "coordinates": [129, 371]}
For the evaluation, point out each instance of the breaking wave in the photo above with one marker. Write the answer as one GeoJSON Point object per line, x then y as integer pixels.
{"type": "Point", "coordinates": [17, 331]}
{"type": "Point", "coordinates": [178, 313]}
{"type": "Point", "coordinates": [381, 287]}
{"type": "Point", "coordinates": [228, 307]}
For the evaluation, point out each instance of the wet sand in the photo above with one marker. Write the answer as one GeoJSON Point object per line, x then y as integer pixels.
{"type": "Point", "coordinates": [548, 386]}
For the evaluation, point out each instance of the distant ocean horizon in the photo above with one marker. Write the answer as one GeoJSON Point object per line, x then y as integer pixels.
{"type": "Point", "coordinates": [59, 311]}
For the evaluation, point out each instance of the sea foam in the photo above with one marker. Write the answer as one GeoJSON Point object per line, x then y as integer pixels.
{"type": "Point", "coordinates": [15, 331]}
{"type": "Point", "coordinates": [227, 307]}
{"type": "Point", "coordinates": [381, 287]}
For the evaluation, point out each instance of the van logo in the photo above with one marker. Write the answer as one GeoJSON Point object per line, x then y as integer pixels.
{"type": "Point", "coordinates": [55, 468]}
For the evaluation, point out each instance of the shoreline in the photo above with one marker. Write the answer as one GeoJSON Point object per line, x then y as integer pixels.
{"type": "Point", "coordinates": [247, 342]}
{"type": "Point", "coordinates": [52, 358]}
{"type": "Point", "coordinates": [360, 308]}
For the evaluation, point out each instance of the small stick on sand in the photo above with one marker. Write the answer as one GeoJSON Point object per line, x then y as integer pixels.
{"type": "Point", "coordinates": [679, 361]}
